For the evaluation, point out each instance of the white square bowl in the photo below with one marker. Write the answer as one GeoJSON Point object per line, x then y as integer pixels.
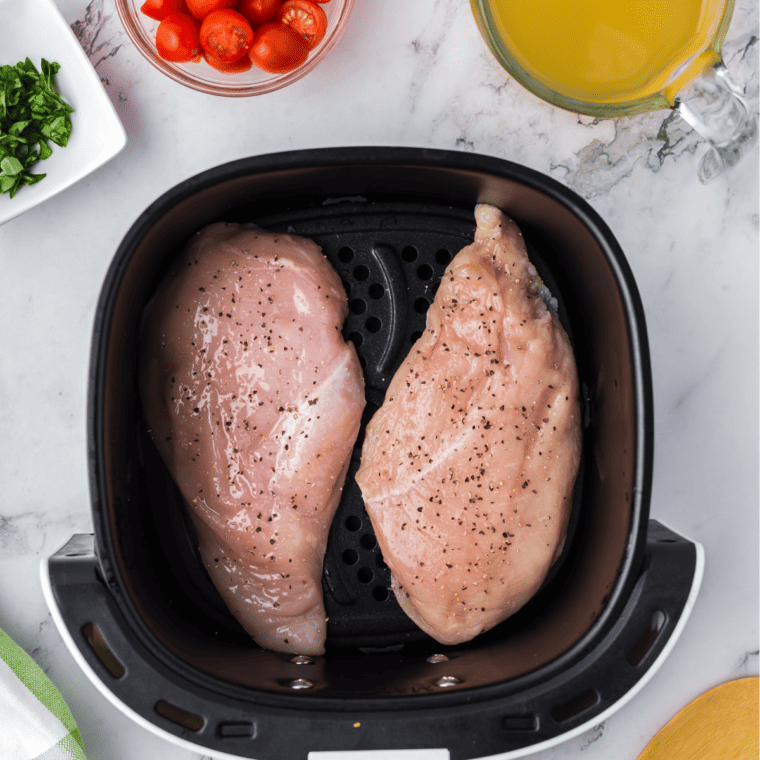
{"type": "Point", "coordinates": [35, 29]}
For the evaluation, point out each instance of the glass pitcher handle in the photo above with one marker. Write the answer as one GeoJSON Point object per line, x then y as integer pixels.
{"type": "Point", "coordinates": [713, 104]}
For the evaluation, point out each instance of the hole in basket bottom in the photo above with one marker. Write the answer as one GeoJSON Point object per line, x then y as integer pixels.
{"type": "Point", "coordinates": [177, 715]}
{"type": "Point", "coordinates": [409, 253]}
{"type": "Point", "coordinates": [380, 593]}
{"type": "Point", "coordinates": [102, 652]}
{"type": "Point", "coordinates": [575, 706]}
{"type": "Point", "coordinates": [648, 637]}
{"type": "Point", "coordinates": [350, 557]}
{"type": "Point", "coordinates": [421, 305]}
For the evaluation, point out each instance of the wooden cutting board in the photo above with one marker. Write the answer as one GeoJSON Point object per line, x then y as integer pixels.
{"type": "Point", "coordinates": [722, 724]}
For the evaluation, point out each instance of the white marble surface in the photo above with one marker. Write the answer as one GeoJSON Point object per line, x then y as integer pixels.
{"type": "Point", "coordinates": [411, 74]}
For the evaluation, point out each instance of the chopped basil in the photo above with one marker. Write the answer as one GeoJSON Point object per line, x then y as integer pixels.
{"type": "Point", "coordinates": [32, 113]}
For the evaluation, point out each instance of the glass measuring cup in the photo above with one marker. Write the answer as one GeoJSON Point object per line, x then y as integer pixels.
{"type": "Point", "coordinates": [610, 59]}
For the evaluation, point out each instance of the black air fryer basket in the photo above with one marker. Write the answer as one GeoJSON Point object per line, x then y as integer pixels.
{"type": "Point", "coordinates": [140, 614]}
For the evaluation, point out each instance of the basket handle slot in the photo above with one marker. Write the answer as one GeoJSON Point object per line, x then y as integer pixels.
{"type": "Point", "coordinates": [178, 715]}
{"type": "Point", "coordinates": [575, 706]}
{"type": "Point", "coordinates": [102, 651]}
{"type": "Point", "coordinates": [648, 636]}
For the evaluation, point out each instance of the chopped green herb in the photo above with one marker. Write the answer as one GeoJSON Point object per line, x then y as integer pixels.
{"type": "Point", "coordinates": [32, 112]}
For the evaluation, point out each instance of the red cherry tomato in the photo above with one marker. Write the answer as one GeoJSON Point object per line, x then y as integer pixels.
{"type": "Point", "coordinates": [242, 64]}
{"type": "Point", "coordinates": [309, 20]}
{"type": "Point", "coordinates": [160, 9]}
{"type": "Point", "coordinates": [259, 11]}
{"type": "Point", "coordinates": [278, 48]}
{"type": "Point", "coordinates": [201, 8]}
{"type": "Point", "coordinates": [226, 35]}
{"type": "Point", "coordinates": [177, 38]}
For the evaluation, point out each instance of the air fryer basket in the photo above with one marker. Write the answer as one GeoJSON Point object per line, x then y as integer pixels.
{"type": "Point", "coordinates": [139, 607]}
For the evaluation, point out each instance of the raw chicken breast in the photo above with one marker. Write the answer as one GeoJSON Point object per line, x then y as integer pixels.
{"type": "Point", "coordinates": [468, 467]}
{"type": "Point", "coordinates": [254, 402]}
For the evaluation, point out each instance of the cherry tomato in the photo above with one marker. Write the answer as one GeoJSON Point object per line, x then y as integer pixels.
{"type": "Point", "coordinates": [226, 35]}
{"type": "Point", "coordinates": [309, 20]}
{"type": "Point", "coordinates": [160, 9]}
{"type": "Point", "coordinates": [201, 8]}
{"type": "Point", "coordinates": [259, 11]}
{"type": "Point", "coordinates": [278, 48]}
{"type": "Point", "coordinates": [242, 64]}
{"type": "Point", "coordinates": [177, 38]}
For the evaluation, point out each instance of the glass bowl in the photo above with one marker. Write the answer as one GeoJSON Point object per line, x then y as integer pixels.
{"type": "Point", "coordinates": [203, 77]}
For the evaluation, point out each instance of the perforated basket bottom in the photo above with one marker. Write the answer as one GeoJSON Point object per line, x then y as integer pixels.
{"type": "Point", "coordinates": [390, 257]}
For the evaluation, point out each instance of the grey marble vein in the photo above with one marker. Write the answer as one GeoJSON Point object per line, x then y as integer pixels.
{"type": "Point", "coordinates": [428, 48]}
{"type": "Point", "coordinates": [95, 33]}
{"type": "Point", "coordinates": [27, 532]}
{"type": "Point", "coordinates": [748, 659]}
{"type": "Point", "coordinates": [593, 736]}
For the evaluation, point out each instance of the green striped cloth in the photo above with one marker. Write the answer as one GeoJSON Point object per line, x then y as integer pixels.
{"type": "Point", "coordinates": [35, 723]}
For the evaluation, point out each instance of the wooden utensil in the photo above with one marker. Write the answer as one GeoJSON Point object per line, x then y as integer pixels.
{"type": "Point", "coordinates": [721, 724]}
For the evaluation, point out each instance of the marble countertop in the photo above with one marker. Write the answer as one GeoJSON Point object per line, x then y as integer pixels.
{"type": "Point", "coordinates": [405, 74]}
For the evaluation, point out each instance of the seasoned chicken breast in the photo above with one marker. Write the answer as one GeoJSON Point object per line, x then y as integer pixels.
{"type": "Point", "coordinates": [254, 401]}
{"type": "Point", "coordinates": [468, 467]}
